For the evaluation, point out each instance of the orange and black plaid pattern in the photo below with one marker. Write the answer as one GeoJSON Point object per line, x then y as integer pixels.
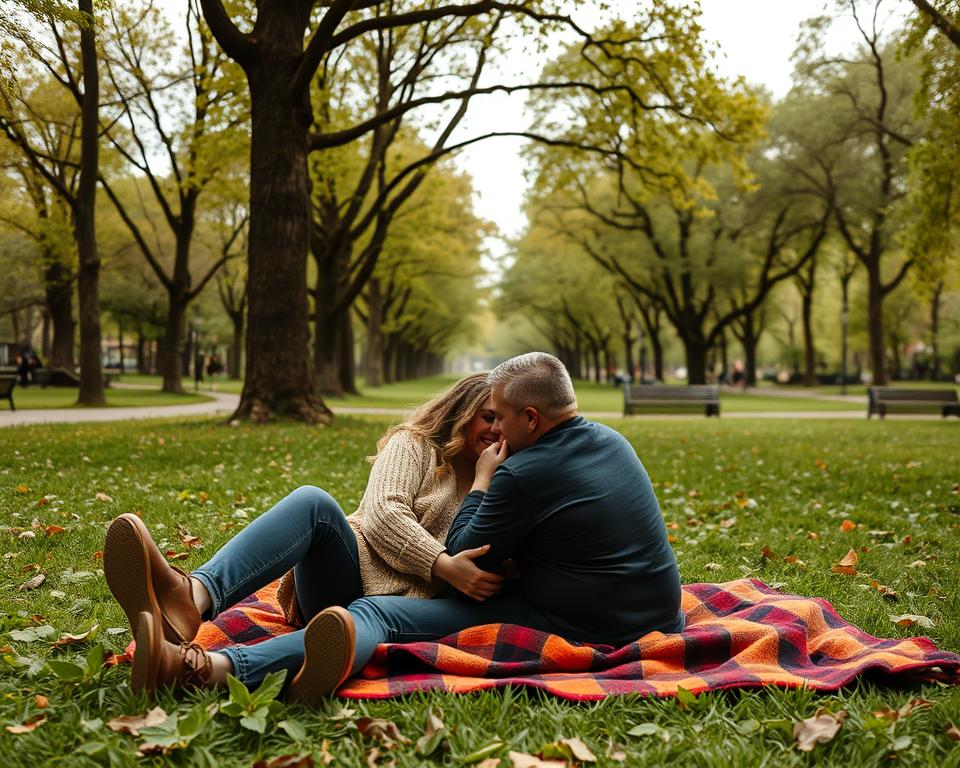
{"type": "Point", "coordinates": [738, 634]}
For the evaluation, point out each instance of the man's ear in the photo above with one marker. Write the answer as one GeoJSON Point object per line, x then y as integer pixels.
{"type": "Point", "coordinates": [533, 418]}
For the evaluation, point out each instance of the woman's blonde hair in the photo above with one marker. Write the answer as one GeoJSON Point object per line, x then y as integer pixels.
{"type": "Point", "coordinates": [443, 419]}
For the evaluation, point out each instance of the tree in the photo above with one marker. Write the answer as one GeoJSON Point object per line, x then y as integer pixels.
{"type": "Point", "coordinates": [872, 128]}
{"type": "Point", "coordinates": [178, 151]}
{"type": "Point", "coordinates": [80, 78]}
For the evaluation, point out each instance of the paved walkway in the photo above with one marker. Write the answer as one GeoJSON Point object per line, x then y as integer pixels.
{"type": "Point", "coordinates": [223, 404]}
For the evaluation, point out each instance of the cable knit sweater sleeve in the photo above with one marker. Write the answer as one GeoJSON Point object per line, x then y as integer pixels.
{"type": "Point", "coordinates": [390, 525]}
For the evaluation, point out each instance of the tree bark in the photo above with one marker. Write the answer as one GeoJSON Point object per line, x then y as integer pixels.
{"type": "Point", "coordinates": [878, 357]}
{"type": "Point", "coordinates": [88, 281]}
{"type": "Point", "coordinates": [173, 354]}
{"type": "Point", "coordinates": [374, 367]}
{"type": "Point", "coordinates": [59, 294]}
{"type": "Point", "coordinates": [279, 374]}
{"type": "Point", "coordinates": [695, 352]}
{"type": "Point", "coordinates": [347, 364]}
{"type": "Point", "coordinates": [809, 351]}
{"type": "Point", "coordinates": [236, 345]}
{"type": "Point", "coordinates": [935, 302]}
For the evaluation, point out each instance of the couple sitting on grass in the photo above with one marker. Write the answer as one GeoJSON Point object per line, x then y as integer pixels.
{"type": "Point", "coordinates": [494, 503]}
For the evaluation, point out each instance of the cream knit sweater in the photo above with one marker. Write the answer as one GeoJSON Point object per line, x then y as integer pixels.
{"type": "Point", "coordinates": [400, 525]}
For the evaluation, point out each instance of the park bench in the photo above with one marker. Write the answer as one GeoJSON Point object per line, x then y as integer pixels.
{"type": "Point", "coordinates": [7, 383]}
{"type": "Point", "coordinates": [664, 398]}
{"type": "Point", "coordinates": [882, 399]}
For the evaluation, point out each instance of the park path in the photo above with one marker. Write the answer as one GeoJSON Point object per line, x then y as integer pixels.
{"type": "Point", "coordinates": [223, 404]}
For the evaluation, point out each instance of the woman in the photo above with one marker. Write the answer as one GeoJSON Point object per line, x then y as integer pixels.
{"type": "Point", "coordinates": [392, 545]}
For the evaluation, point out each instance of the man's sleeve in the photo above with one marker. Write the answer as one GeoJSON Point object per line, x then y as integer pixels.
{"type": "Point", "coordinates": [500, 517]}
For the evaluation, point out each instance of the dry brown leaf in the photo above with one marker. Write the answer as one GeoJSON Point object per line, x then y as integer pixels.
{"type": "Point", "coordinates": [52, 530]}
{"type": "Point", "coordinates": [490, 762]}
{"type": "Point", "coordinates": [819, 729]}
{"type": "Point", "coordinates": [286, 761]}
{"type": "Point", "coordinates": [728, 522]}
{"type": "Point", "coordinates": [432, 727]}
{"type": "Point", "coordinates": [23, 488]}
{"type": "Point", "coordinates": [918, 564]}
{"type": "Point", "coordinates": [30, 725]}
{"type": "Point", "coordinates": [768, 553]}
{"type": "Point", "coordinates": [173, 555]}
{"type": "Point", "coordinates": [579, 750]}
{"type": "Point", "coordinates": [385, 731]}
{"type": "Point", "coordinates": [131, 724]}
{"type": "Point", "coordinates": [822, 465]}
{"type": "Point", "coordinates": [41, 701]}
{"type": "Point", "coordinates": [712, 567]}
{"type": "Point", "coordinates": [325, 757]}
{"type": "Point", "coordinates": [523, 760]}
{"type": "Point", "coordinates": [953, 733]}
{"type": "Point", "coordinates": [192, 542]}
{"type": "Point", "coordinates": [906, 709]}
{"type": "Point", "coordinates": [883, 590]}
{"type": "Point", "coordinates": [847, 526]}
{"type": "Point", "coordinates": [68, 639]}
{"type": "Point", "coordinates": [33, 583]}
{"type": "Point", "coordinates": [847, 565]}
{"type": "Point", "coordinates": [909, 619]}
{"type": "Point", "coordinates": [373, 759]}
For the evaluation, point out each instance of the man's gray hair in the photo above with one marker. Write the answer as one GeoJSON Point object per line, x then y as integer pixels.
{"type": "Point", "coordinates": [536, 379]}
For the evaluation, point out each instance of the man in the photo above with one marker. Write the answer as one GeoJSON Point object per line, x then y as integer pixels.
{"type": "Point", "coordinates": [568, 501]}
{"type": "Point", "coordinates": [564, 498]}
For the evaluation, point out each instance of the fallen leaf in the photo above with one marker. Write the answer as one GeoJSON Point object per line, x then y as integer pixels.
{"type": "Point", "coordinates": [768, 553]}
{"type": "Point", "coordinates": [848, 525]}
{"type": "Point", "coordinates": [33, 583]}
{"type": "Point", "coordinates": [578, 750]}
{"type": "Point", "coordinates": [847, 564]}
{"type": "Point", "coordinates": [883, 590]}
{"type": "Point", "coordinates": [906, 539]}
{"type": "Point", "coordinates": [385, 731]}
{"type": "Point", "coordinates": [373, 759]}
{"type": "Point", "coordinates": [918, 564]}
{"type": "Point", "coordinates": [41, 701]}
{"type": "Point", "coordinates": [712, 567]}
{"type": "Point", "coordinates": [98, 555]}
{"type": "Point", "coordinates": [52, 530]}
{"type": "Point", "coordinates": [906, 709]}
{"type": "Point", "coordinates": [821, 465]}
{"type": "Point", "coordinates": [728, 522]}
{"type": "Point", "coordinates": [819, 729]}
{"type": "Point", "coordinates": [67, 639]}
{"type": "Point", "coordinates": [27, 535]}
{"type": "Point", "coordinates": [187, 540]}
{"type": "Point", "coordinates": [23, 488]}
{"type": "Point", "coordinates": [325, 757]}
{"type": "Point", "coordinates": [102, 497]}
{"type": "Point", "coordinates": [909, 619]}
{"type": "Point", "coordinates": [523, 760]}
{"type": "Point", "coordinates": [490, 762]}
{"type": "Point", "coordinates": [434, 732]}
{"type": "Point", "coordinates": [173, 555]}
{"type": "Point", "coordinates": [132, 724]}
{"type": "Point", "coordinates": [30, 725]}
{"type": "Point", "coordinates": [286, 761]}
{"type": "Point", "coordinates": [953, 733]}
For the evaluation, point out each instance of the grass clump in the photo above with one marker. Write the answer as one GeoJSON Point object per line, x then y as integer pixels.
{"type": "Point", "coordinates": [806, 492]}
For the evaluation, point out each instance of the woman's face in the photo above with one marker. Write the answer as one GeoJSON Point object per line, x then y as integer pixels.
{"type": "Point", "coordinates": [478, 433]}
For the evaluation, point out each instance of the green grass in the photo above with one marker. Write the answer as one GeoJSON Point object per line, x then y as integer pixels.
{"type": "Point", "coordinates": [894, 480]}
{"type": "Point", "coordinates": [66, 397]}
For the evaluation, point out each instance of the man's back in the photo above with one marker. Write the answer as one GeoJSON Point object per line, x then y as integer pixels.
{"type": "Point", "coordinates": [577, 512]}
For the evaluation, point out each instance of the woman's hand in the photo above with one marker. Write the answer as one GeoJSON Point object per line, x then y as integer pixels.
{"type": "Point", "coordinates": [491, 458]}
{"type": "Point", "coordinates": [463, 575]}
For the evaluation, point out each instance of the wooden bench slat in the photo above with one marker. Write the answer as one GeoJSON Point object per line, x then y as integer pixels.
{"type": "Point", "coordinates": [880, 399]}
{"type": "Point", "coordinates": [639, 396]}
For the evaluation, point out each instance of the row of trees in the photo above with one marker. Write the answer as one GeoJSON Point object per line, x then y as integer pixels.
{"type": "Point", "coordinates": [853, 172]}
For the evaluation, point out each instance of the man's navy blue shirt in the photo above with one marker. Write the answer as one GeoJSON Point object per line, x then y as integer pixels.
{"type": "Point", "coordinates": [577, 512]}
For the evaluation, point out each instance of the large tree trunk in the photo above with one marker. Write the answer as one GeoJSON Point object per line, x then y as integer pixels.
{"type": "Point", "coordinates": [172, 352]}
{"type": "Point", "coordinates": [751, 338]}
{"type": "Point", "coordinates": [809, 351]}
{"type": "Point", "coordinates": [279, 374]}
{"type": "Point", "coordinates": [141, 351]}
{"type": "Point", "coordinates": [878, 362]}
{"type": "Point", "coordinates": [236, 345]}
{"type": "Point", "coordinates": [935, 301]}
{"type": "Point", "coordinates": [374, 366]}
{"type": "Point", "coordinates": [695, 352]}
{"type": "Point", "coordinates": [326, 347]}
{"type": "Point", "coordinates": [59, 294]}
{"type": "Point", "coordinates": [88, 281]}
{"type": "Point", "coordinates": [347, 365]}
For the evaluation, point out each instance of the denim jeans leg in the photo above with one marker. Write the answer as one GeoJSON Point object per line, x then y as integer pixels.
{"type": "Point", "coordinates": [252, 663]}
{"type": "Point", "coordinates": [390, 619]}
{"type": "Point", "coordinates": [306, 529]}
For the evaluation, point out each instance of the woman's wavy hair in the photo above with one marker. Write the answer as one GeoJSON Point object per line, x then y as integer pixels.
{"type": "Point", "coordinates": [443, 419]}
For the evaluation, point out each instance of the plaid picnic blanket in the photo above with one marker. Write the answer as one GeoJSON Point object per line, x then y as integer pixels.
{"type": "Point", "coordinates": [739, 634]}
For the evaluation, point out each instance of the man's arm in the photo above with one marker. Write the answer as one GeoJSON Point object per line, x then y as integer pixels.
{"type": "Point", "coordinates": [501, 517]}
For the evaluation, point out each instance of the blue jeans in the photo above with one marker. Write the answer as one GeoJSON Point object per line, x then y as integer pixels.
{"type": "Point", "coordinates": [306, 531]}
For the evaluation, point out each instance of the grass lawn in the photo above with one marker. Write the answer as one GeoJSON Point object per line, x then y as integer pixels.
{"type": "Point", "coordinates": [66, 397]}
{"type": "Point", "coordinates": [897, 482]}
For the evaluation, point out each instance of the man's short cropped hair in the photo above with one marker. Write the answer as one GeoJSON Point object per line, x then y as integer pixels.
{"type": "Point", "coordinates": [538, 379]}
